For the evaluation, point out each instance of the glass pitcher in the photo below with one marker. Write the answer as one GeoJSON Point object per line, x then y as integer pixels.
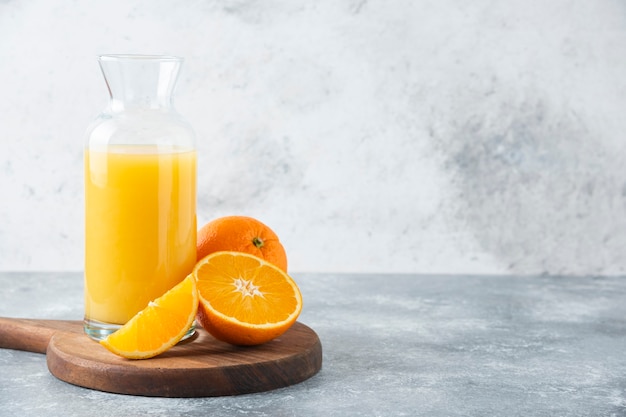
{"type": "Point", "coordinates": [140, 193]}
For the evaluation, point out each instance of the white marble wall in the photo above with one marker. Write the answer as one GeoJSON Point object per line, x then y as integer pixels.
{"type": "Point", "coordinates": [409, 136]}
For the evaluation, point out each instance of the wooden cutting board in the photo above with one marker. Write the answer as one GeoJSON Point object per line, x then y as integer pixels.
{"type": "Point", "coordinates": [198, 367]}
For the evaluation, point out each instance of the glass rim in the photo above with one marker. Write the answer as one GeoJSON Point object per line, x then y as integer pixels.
{"type": "Point", "coordinates": [138, 57]}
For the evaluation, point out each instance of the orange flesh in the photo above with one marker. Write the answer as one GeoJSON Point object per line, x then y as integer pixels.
{"type": "Point", "coordinates": [246, 290]}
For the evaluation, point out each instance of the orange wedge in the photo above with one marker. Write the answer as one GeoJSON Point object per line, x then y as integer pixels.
{"type": "Point", "coordinates": [245, 300]}
{"type": "Point", "coordinates": [159, 326]}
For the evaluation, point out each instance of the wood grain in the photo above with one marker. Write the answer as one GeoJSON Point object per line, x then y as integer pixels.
{"type": "Point", "coordinates": [32, 335]}
{"type": "Point", "coordinates": [199, 367]}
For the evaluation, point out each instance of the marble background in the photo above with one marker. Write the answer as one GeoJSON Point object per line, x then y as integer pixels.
{"type": "Point", "coordinates": [372, 136]}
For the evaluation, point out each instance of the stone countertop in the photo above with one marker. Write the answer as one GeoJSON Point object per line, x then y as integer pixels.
{"type": "Point", "coordinates": [393, 345]}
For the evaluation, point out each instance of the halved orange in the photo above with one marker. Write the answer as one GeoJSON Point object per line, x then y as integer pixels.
{"type": "Point", "coordinates": [159, 326]}
{"type": "Point", "coordinates": [245, 300]}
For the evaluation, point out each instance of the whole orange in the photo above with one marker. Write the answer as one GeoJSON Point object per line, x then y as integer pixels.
{"type": "Point", "coordinates": [241, 234]}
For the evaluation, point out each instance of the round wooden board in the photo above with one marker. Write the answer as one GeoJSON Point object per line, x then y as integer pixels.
{"type": "Point", "coordinates": [199, 367]}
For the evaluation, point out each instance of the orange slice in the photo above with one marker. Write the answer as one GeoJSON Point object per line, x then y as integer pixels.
{"type": "Point", "coordinates": [245, 300]}
{"type": "Point", "coordinates": [159, 326]}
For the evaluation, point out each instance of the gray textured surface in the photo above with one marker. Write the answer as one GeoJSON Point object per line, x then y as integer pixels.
{"type": "Point", "coordinates": [393, 345]}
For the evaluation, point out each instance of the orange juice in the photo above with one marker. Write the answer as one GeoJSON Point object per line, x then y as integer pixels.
{"type": "Point", "coordinates": [140, 227]}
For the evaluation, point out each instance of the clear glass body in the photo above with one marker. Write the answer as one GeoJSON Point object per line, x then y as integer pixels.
{"type": "Point", "coordinates": [140, 193]}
